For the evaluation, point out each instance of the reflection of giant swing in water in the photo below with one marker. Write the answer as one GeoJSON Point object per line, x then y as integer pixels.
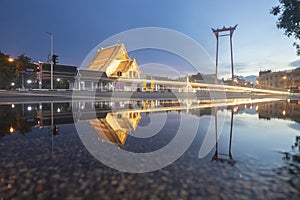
{"type": "Point", "coordinates": [217, 156]}
{"type": "Point", "coordinates": [223, 157]}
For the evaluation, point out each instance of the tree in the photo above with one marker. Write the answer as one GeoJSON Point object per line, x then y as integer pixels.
{"type": "Point", "coordinates": [22, 63]}
{"type": "Point", "coordinates": [7, 71]}
{"type": "Point", "coordinates": [288, 12]}
{"type": "Point", "coordinates": [11, 72]}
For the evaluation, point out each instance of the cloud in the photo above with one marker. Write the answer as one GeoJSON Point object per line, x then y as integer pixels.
{"type": "Point", "coordinates": [162, 70]}
{"type": "Point", "coordinates": [295, 63]}
{"type": "Point", "coordinates": [240, 68]}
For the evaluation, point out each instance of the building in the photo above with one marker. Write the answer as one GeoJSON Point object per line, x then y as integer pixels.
{"type": "Point", "coordinates": [107, 66]}
{"type": "Point", "coordinates": [289, 79]}
{"type": "Point", "coordinates": [63, 76]}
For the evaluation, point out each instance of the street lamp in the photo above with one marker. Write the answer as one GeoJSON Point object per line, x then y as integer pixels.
{"type": "Point", "coordinates": [11, 60]}
{"type": "Point", "coordinates": [51, 56]}
{"type": "Point", "coordinates": [286, 81]}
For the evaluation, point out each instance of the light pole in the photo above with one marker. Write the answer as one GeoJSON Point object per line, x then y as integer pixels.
{"type": "Point", "coordinates": [23, 87]}
{"type": "Point", "coordinates": [51, 61]}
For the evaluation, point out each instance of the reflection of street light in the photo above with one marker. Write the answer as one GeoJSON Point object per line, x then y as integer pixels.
{"type": "Point", "coordinates": [235, 109]}
{"type": "Point", "coordinates": [11, 129]}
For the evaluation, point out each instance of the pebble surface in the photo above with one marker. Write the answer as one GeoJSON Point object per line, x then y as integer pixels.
{"type": "Point", "coordinates": [32, 169]}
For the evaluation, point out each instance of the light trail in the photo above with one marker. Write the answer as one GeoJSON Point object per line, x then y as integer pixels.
{"type": "Point", "coordinates": [205, 86]}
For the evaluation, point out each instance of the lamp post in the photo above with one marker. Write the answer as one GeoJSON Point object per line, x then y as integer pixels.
{"type": "Point", "coordinates": [51, 61]}
{"type": "Point", "coordinates": [23, 72]}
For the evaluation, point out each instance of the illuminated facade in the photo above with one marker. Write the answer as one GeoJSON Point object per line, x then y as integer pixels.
{"type": "Point", "coordinates": [283, 79]}
{"type": "Point", "coordinates": [116, 126]}
{"type": "Point", "coordinates": [107, 66]}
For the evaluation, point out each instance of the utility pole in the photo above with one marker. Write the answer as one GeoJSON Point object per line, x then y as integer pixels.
{"type": "Point", "coordinates": [51, 55]}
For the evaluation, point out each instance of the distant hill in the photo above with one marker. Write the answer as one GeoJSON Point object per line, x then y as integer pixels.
{"type": "Point", "coordinates": [251, 78]}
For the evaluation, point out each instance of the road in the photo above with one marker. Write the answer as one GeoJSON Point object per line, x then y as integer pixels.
{"type": "Point", "coordinates": [8, 97]}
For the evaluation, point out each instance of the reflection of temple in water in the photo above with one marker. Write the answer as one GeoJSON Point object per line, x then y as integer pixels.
{"type": "Point", "coordinates": [116, 126]}
{"type": "Point", "coordinates": [281, 110]}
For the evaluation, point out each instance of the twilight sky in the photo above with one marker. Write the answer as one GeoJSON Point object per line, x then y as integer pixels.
{"type": "Point", "coordinates": [79, 26]}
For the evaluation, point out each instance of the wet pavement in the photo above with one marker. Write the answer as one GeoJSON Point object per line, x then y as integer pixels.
{"type": "Point", "coordinates": [37, 164]}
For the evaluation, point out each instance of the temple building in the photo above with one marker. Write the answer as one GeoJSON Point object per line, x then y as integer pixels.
{"type": "Point", "coordinates": [107, 66]}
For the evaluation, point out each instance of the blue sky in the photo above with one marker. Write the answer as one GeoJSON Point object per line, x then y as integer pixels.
{"type": "Point", "coordinates": [78, 26]}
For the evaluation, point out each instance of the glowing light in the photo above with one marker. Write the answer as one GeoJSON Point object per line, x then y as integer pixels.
{"type": "Point", "coordinates": [29, 108]}
{"type": "Point", "coordinates": [12, 84]}
{"type": "Point", "coordinates": [235, 109]}
{"type": "Point", "coordinates": [58, 79]}
{"type": "Point", "coordinates": [29, 81]}
{"type": "Point", "coordinates": [11, 129]}
{"type": "Point", "coordinates": [12, 105]}
{"type": "Point", "coordinates": [284, 113]}
{"type": "Point", "coordinates": [58, 110]}
{"type": "Point", "coordinates": [256, 108]}
{"type": "Point", "coordinates": [284, 78]}
{"type": "Point", "coordinates": [11, 60]}
{"type": "Point", "coordinates": [257, 82]}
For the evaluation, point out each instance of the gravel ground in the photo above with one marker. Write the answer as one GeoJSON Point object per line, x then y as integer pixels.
{"type": "Point", "coordinates": [32, 169]}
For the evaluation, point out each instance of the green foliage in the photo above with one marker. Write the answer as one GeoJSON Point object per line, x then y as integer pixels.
{"type": "Point", "coordinates": [7, 71]}
{"type": "Point", "coordinates": [288, 12]}
{"type": "Point", "coordinates": [11, 72]}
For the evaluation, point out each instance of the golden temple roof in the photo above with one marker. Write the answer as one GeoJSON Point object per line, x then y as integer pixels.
{"type": "Point", "coordinates": [105, 56]}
